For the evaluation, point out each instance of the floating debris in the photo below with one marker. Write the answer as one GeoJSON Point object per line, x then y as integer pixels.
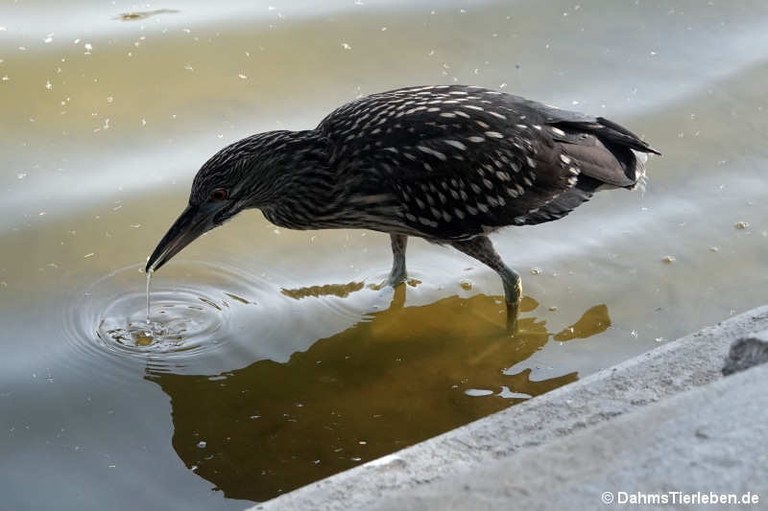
{"type": "Point", "coordinates": [142, 15]}
{"type": "Point", "coordinates": [741, 225]}
{"type": "Point", "coordinates": [669, 259]}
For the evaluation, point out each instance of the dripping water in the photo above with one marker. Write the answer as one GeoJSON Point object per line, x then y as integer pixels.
{"type": "Point", "coordinates": [149, 288]}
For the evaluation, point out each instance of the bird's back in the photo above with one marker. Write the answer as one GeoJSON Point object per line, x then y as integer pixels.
{"type": "Point", "coordinates": [451, 162]}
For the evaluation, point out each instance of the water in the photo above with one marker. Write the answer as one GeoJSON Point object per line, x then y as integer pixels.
{"type": "Point", "coordinates": [270, 358]}
{"type": "Point", "coordinates": [149, 296]}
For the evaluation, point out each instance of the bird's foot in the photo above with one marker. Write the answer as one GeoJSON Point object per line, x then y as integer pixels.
{"type": "Point", "coordinates": [395, 280]}
{"type": "Point", "coordinates": [513, 294]}
{"type": "Point", "coordinates": [513, 310]}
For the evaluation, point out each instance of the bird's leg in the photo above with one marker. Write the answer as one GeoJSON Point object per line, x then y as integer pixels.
{"type": "Point", "coordinates": [398, 274]}
{"type": "Point", "coordinates": [482, 249]}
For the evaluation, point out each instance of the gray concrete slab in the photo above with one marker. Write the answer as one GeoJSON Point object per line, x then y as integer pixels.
{"type": "Point", "coordinates": [570, 411]}
{"type": "Point", "coordinates": [692, 448]}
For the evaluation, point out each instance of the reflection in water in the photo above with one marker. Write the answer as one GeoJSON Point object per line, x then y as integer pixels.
{"type": "Point", "coordinates": [269, 428]}
{"type": "Point", "coordinates": [340, 290]}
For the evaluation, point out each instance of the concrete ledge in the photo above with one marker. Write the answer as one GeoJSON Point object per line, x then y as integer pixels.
{"type": "Point", "coordinates": [497, 456]}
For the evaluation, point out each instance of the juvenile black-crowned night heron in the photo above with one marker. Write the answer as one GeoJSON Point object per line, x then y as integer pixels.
{"type": "Point", "coordinates": [447, 163]}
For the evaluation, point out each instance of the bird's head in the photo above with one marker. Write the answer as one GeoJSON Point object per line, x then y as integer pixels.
{"type": "Point", "coordinates": [247, 174]}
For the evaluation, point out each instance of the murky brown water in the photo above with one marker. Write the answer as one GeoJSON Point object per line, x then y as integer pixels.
{"type": "Point", "coordinates": [288, 364]}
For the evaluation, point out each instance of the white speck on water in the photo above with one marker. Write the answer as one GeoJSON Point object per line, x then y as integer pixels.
{"type": "Point", "coordinates": [6, 78]}
{"type": "Point", "coordinates": [346, 46]}
{"type": "Point", "coordinates": [242, 76]}
{"type": "Point", "coordinates": [21, 175]}
{"type": "Point", "coordinates": [634, 333]}
{"type": "Point", "coordinates": [48, 38]}
{"type": "Point", "coordinates": [48, 85]}
{"type": "Point", "coordinates": [202, 444]}
{"type": "Point", "coordinates": [90, 254]}
{"type": "Point", "coordinates": [189, 67]}
{"type": "Point", "coordinates": [741, 225]}
{"type": "Point", "coordinates": [478, 392]}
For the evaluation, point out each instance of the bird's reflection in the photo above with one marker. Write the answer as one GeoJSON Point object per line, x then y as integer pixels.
{"type": "Point", "coordinates": [404, 375]}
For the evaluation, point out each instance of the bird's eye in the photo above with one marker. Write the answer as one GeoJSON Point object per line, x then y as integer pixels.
{"type": "Point", "coordinates": [219, 194]}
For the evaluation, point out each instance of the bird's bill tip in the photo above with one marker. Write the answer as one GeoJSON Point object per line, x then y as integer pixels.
{"type": "Point", "coordinates": [190, 225]}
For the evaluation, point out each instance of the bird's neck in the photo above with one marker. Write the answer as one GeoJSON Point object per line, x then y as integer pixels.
{"type": "Point", "coordinates": [318, 192]}
{"type": "Point", "coordinates": [307, 189]}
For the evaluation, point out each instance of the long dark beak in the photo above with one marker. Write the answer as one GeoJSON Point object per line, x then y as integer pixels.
{"type": "Point", "coordinates": [191, 224]}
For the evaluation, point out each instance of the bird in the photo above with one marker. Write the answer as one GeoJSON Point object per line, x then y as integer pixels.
{"type": "Point", "coordinates": [450, 164]}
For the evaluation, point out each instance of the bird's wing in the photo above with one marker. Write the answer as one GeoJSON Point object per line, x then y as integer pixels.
{"type": "Point", "coordinates": [455, 155]}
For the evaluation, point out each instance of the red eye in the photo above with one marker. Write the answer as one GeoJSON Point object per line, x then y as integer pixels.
{"type": "Point", "coordinates": [219, 194]}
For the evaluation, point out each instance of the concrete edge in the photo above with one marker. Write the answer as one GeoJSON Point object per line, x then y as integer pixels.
{"type": "Point", "coordinates": [697, 441]}
{"type": "Point", "coordinates": [691, 361]}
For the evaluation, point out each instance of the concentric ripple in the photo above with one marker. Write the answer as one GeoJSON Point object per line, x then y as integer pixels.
{"type": "Point", "coordinates": [180, 320]}
{"type": "Point", "coordinates": [191, 314]}
{"type": "Point", "coordinates": [207, 319]}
